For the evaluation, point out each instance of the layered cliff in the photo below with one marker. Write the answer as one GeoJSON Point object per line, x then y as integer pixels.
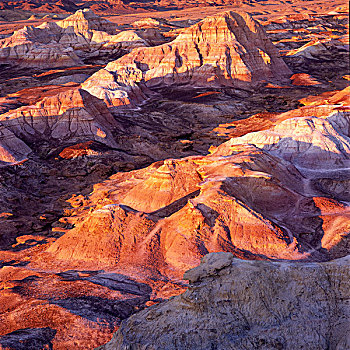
{"type": "Point", "coordinates": [68, 117]}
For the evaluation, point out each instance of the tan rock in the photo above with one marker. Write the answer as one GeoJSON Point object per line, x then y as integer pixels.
{"type": "Point", "coordinates": [236, 304]}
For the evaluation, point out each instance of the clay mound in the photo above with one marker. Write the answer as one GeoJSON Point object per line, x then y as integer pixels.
{"type": "Point", "coordinates": [258, 202]}
{"type": "Point", "coordinates": [319, 49]}
{"type": "Point", "coordinates": [86, 20]}
{"type": "Point", "coordinates": [178, 229]}
{"type": "Point", "coordinates": [67, 43]}
{"type": "Point", "coordinates": [229, 49]}
{"type": "Point", "coordinates": [235, 304]}
{"type": "Point", "coordinates": [68, 117]}
{"type": "Point", "coordinates": [308, 142]}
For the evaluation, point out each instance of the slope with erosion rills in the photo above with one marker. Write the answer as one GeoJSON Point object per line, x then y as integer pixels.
{"type": "Point", "coordinates": [226, 50]}
{"type": "Point", "coordinates": [255, 201]}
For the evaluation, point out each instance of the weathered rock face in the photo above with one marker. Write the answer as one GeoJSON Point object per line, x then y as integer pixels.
{"type": "Point", "coordinates": [31, 47]}
{"type": "Point", "coordinates": [229, 49]}
{"type": "Point", "coordinates": [67, 42]}
{"type": "Point", "coordinates": [236, 304]}
{"type": "Point", "coordinates": [12, 148]}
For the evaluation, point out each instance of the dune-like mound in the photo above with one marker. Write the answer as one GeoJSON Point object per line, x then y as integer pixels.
{"type": "Point", "coordinates": [225, 50]}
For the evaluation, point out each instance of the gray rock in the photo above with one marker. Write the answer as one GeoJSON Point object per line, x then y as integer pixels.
{"type": "Point", "coordinates": [236, 304]}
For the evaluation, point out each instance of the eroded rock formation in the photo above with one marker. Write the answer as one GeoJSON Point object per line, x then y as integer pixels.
{"type": "Point", "coordinates": [69, 117]}
{"type": "Point", "coordinates": [251, 196]}
{"type": "Point", "coordinates": [226, 50]}
{"type": "Point", "coordinates": [67, 42]}
{"type": "Point", "coordinates": [236, 304]}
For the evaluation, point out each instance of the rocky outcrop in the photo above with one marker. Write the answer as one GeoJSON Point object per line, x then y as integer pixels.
{"type": "Point", "coordinates": [235, 304]}
{"type": "Point", "coordinates": [67, 42]}
{"type": "Point", "coordinates": [226, 50]}
{"type": "Point", "coordinates": [318, 50]}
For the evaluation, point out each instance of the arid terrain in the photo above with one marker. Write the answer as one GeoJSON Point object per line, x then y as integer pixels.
{"type": "Point", "coordinates": [140, 140]}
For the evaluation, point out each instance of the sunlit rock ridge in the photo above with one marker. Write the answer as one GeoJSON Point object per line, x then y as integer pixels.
{"type": "Point", "coordinates": [249, 197]}
{"type": "Point", "coordinates": [226, 50]}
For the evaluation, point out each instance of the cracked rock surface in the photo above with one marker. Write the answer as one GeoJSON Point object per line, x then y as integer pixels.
{"type": "Point", "coordinates": [237, 304]}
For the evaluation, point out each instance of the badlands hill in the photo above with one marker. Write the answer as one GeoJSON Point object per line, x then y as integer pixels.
{"type": "Point", "coordinates": [273, 194]}
{"type": "Point", "coordinates": [226, 50]}
{"type": "Point", "coordinates": [67, 42]}
{"type": "Point", "coordinates": [163, 137]}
